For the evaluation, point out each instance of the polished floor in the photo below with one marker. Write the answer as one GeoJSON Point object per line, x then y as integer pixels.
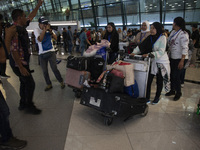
{"type": "Point", "coordinates": [66, 125]}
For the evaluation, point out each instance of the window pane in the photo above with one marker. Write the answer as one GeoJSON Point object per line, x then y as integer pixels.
{"type": "Point", "coordinates": [113, 15]}
{"type": "Point", "coordinates": [75, 4]}
{"type": "Point", "coordinates": [98, 2]}
{"type": "Point", "coordinates": [151, 17]}
{"type": "Point", "coordinates": [85, 4]}
{"type": "Point", "coordinates": [170, 15]}
{"type": "Point", "coordinates": [192, 15]}
{"type": "Point", "coordinates": [101, 16]}
{"type": "Point", "coordinates": [87, 12]}
{"type": "Point", "coordinates": [133, 19]}
{"type": "Point", "coordinates": [131, 7]}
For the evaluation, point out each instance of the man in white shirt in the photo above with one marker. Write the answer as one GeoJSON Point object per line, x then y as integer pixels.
{"type": "Point", "coordinates": [44, 35]}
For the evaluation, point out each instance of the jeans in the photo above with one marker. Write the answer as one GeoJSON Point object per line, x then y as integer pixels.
{"type": "Point", "coordinates": [65, 45]}
{"type": "Point", "coordinates": [5, 130]}
{"type": "Point", "coordinates": [82, 49]}
{"type": "Point", "coordinates": [159, 84]}
{"type": "Point", "coordinates": [53, 65]}
{"type": "Point", "coordinates": [27, 86]}
{"type": "Point", "coordinates": [77, 48]}
{"type": "Point", "coordinates": [70, 45]}
{"type": "Point", "coordinates": [175, 75]}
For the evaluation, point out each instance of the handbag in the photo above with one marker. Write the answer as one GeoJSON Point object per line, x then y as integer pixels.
{"type": "Point", "coordinates": [127, 69]}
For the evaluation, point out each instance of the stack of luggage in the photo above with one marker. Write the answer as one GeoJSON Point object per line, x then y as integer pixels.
{"type": "Point", "coordinates": [113, 91]}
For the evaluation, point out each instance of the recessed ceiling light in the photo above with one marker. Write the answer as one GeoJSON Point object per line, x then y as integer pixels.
{"type": "Point", "coordinates": [179, 5]}
{"type": "Point", "coordinates": [155, 6]}
{"type": "Point", "coordinates": [150, 5]}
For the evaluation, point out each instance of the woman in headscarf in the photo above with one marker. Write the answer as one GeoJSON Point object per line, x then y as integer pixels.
{"type": "Point", "coordinates": [154, 46]}
{"type": "Point", "coordinates": [113, 37]}
{"type": "Point", "coordinates": [143, 34]}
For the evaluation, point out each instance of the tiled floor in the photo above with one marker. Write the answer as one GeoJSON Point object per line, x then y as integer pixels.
{"type": "Point", "coordinates": [168, 125]}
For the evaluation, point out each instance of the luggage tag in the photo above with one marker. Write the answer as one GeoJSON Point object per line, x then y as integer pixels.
{"type": "Point", "coordinates": [95, 102]}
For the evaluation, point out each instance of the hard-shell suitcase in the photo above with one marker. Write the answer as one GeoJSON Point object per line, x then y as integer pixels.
{"type": "Point", "coordinates": [77, 63]}
{"type": "Point", "coordinates": [75, 78]}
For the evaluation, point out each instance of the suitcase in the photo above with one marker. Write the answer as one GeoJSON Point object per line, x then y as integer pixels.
{"type": "Point", "coordinates": [75, 78]}
{"type": "Point", "coordinates": [95, 67]}
{"type": "Point", "coordinates": [77, 63]}
{"type": "Point", "coordinates": [113, 104]}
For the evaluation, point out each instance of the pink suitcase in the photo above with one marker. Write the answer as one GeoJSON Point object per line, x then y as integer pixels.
{"type": "Point", "coordinates": [76, 78]}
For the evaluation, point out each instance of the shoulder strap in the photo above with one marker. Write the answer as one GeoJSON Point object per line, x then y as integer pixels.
{"type": "Point", "coordinates": [4, 46]}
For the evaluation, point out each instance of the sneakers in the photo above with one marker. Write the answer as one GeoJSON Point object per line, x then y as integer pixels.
{"type": "Point", "coordinates": [170, 93]}
{"type": "Point", "coordinates": [62, 85]}
{"type": "Point", "coordinates": [33, 110]}
{"type": "Point", "coordinates": [48, 87]}
{"type": "Point", "coordinates": [155, 101]}
{"type": "Point", "coordinates": [13, 143]}
{"type": "Point", "coordinates": [58, 61]}
{"type": "Point", "coordinates": [177, 96]}
{"type": "Point", "coordinates": [21, 107]}
{"type": "Point", "coordinates": [182, 85]}
{"type": "Point", "coordinates": [5, 76]}
{"type": "Point", "coordinates": [148, 101]}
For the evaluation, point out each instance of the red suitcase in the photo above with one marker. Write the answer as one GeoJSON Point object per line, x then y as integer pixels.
{"type": "Point", "coordinates": [76, 78]}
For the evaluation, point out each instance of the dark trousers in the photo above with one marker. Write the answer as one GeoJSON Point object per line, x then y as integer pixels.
{"type": "Point", "coordinates": [112, 57]}
{"type": "Point", "coordinates": [5, 130]}
{"type": "Point", "coordinates": [175, 75]}
{"type": "Point", "coordinates": [3, 69]}
{"type": "Point", "coordinates": [183, 75]}
{"type": "Point", "coordinates": [27, 86]}
{"type": "Point", "coordinates": [52, 61]}
{"type": "Point", "coordinates": [159, 84]}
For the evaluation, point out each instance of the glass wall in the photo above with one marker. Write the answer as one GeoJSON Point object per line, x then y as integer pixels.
{"type": "Point", "coordinates": [97, 13]}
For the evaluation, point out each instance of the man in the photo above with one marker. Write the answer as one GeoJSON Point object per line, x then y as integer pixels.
{"type": "Point", "coordinates": [19, 59]}
{"type": "Point", "coordinates": [7, 139]}
{"type": "Point", "coordinates": [64, 34]}
{"type": "Point", "coordinates": [69, 40]}
{"type": "Point", "coordinates": [195, 38]}
{"type": "Point", "coordinates": [2, 53]}
{"type": "Point", "coordinates": [47, 53]}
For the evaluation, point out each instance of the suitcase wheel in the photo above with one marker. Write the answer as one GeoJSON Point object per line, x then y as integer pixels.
{"type": "Point", "coordinates": [108, 121]}
{"type": "Point", "coordinates": [78, 94]}
{"type": "Point", "coordinates": [145, 111]}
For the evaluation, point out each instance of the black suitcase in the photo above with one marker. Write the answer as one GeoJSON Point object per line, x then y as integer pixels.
{"type": "Point", "coordinates": [95, 67]}
{"type": "Point", "coordinates": [99, 100]}
{"type": "Point", "coordinates": [113, 104]}
{"type": "Point", "coordinates": [77, 63]}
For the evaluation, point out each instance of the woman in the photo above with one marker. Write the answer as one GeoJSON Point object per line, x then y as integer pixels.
{"type": "Point", "coordinates": [83, 40]}
{"type": "Point", "coordinates": [120, 34]}
{"type": "Point", "coordinates": [178, 53]}
{"type": "Point", "coordinates": [154, 46]}
{"type": "Point", "coordinates": [141, 36]}
{"type": "Point", "coordinates": [113, 37]}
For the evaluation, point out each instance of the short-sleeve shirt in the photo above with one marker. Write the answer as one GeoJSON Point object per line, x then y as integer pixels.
{"type": "Point", "coordinates": [83, 38]}
{"type": "Point", "coordinates": [46, 45]}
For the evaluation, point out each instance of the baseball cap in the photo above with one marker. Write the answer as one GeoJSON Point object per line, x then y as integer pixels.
{"type": "Point", "coordinates": [43, 20]}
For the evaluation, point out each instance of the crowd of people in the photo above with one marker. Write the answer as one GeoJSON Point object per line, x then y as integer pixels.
{"type": "Point", "coordinates": [171, 53]}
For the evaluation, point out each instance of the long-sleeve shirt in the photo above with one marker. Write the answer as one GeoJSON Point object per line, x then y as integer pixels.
{"type": "Point", "coordinates": [178, 44]}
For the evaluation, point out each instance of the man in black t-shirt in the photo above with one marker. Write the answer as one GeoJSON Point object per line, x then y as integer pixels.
{"type": "Point", "coordinates": [195, 38]}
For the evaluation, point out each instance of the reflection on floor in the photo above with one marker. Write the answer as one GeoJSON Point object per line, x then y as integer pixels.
{"type": "Point", "coordinates": [169, 125]}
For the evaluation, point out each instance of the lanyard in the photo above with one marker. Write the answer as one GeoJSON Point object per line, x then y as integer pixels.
{"type": "Point", "coordinates": [155, 41]}
{"type": "Point", "coordinates": [141, 37]}
{"type": "Point", "coordinates": [173, 35]}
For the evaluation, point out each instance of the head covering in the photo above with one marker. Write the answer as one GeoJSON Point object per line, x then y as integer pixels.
{"type": "Point", "coordinates": [158, 27]}
{"type": "Point", "coordinates": [43, 20]}
{"type": "Point", "coordinates": [147, 30]}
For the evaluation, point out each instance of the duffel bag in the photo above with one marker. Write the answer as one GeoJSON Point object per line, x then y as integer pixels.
{"type": "Point", "coordinates": [77, 63]}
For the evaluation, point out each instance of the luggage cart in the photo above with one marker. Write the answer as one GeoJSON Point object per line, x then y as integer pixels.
{"type": "Point", "coordinates": [113, 104]}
